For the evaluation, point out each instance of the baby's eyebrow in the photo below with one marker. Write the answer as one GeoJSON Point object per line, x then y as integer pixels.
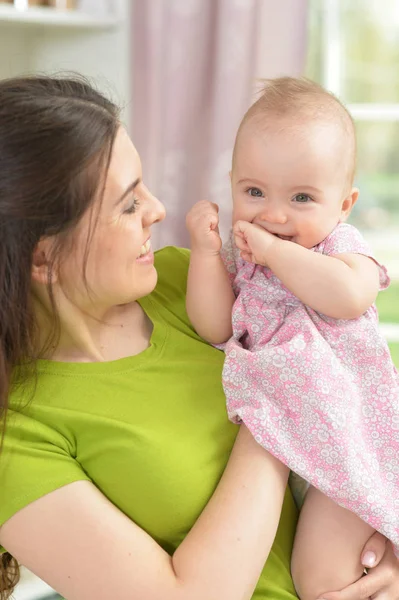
{"type": "Point", "coordinates": [306, 188]}
{"type": "Point", "coordinates": [249, 180]}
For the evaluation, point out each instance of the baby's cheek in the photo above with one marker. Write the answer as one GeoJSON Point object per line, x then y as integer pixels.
{"type": "Point", "coordinates": [310, 234]}
{"type": "Point", "coordinates": [242, 212]}
{"type": "Point", "coordinates": [316, 230]}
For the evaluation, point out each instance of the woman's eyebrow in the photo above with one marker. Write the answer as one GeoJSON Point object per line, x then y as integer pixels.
{"type": "Point", "coordinates": [129, 189]}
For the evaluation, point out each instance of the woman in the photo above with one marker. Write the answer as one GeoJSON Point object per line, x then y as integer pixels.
{"type": "Point", "coordinates": [113, 476]}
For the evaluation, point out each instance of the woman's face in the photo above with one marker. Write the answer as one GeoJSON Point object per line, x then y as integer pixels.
{"type": "Point", "coordinates": [118, 262]}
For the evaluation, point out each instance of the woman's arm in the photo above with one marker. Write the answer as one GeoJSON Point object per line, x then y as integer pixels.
{"type": "Point", "coordinates": [342, 286]}
{"type": "Point", "coordinates": [85, 548]}
{"type": "Point", "coordinates": [210, 297]}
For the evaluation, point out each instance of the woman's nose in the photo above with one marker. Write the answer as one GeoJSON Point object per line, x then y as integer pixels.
{"type": "Point", "coordinates": [154, 211]}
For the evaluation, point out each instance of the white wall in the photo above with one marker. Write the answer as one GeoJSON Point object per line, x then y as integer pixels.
{"type": "Point", "coordinates": [102, 53]}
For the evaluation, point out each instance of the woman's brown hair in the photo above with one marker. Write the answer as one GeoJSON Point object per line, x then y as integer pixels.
{"type": "Point", "coordinates": [56, 137]}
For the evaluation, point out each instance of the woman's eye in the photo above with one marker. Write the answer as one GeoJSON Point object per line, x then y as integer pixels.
{"type": "Point", "coordinates": [132, 208]}
{"type": "Point", "coordinates": [255, 192]}
{"type": "Point", "coordinates": [302, 198]}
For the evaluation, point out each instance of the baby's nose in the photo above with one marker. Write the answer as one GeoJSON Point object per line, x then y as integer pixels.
{"type": "Point", "coordinates": [273, 215]}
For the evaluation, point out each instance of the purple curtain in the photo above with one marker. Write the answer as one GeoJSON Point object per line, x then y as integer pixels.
{"type": "Point", "coordinates": [195, 66]}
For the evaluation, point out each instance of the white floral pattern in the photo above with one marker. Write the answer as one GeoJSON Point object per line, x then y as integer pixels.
{"type": "Point", "coordinates": [320, 394]}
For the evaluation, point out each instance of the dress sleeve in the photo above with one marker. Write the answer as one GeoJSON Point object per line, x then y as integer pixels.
{"type": "Point", "coordinates": [346, 239]}
{"type": "Point", "coordinates": [35, 460]}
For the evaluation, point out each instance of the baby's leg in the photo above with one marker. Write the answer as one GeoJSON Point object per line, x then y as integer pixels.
{"type": "Point", "coordinates": [327, 548]}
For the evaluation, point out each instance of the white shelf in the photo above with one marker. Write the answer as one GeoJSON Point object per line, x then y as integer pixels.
{"type": "Point", "coordinates": [52, 17]}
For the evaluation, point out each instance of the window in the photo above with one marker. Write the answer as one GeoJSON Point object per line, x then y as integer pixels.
{"type": "Point", "coordinates": [354, 52]}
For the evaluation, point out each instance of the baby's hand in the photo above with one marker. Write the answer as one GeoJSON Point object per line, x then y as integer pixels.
{"type": "Point", "coordinates": [202, 223]}
{"type": "Point", "coordinates": [253, 241]}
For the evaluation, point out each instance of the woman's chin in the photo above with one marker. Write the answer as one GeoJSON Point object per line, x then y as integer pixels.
{"type": "Point", "coordinates": [142, 283]}
{"type": "Point", "coordinates": [146, 283]}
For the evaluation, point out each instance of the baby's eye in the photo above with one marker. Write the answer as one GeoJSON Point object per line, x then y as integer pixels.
{"type": "Point", "coordinates": [132, 208]}
{"type": "Point", "coordinates": [255, 192]}
{"type": "Point", "coordinates": [302, 198]}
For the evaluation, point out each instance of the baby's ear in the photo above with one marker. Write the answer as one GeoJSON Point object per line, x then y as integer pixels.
{"type": "Point", "coordinates": [348, 203]}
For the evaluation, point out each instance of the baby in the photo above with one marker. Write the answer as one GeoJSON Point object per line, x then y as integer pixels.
{"type": "Point", "coordinates": [292, 293]}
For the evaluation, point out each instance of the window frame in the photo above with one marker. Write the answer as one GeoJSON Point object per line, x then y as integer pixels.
{"type": "Point", "coordinates": [333, 49]}
{"type": "Point", "coordinates": [332, 62]}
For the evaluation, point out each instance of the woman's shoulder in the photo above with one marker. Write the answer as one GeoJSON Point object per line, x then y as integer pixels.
{"type": "Point", "coordinates": [172, 265]}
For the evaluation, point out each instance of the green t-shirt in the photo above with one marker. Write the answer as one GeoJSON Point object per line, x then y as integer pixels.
{"type": "Point", "coordinates": [150, 431]}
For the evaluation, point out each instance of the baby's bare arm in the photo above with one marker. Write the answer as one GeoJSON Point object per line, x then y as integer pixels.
{"type": "Point", "coordinates": [210, 297]}
{"type": "Point", "coordinates": [343, 286]}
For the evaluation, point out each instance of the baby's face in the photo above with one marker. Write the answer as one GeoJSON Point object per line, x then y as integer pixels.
{"type": "Point", "coordinates": [292, 181]}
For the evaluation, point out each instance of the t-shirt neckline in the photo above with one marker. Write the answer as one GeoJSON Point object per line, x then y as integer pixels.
{"type": "Point", "coordinates": [150, 354]}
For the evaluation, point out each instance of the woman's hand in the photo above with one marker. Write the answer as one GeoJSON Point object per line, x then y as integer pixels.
{"type": "Point", "coordinates": [382, 580]}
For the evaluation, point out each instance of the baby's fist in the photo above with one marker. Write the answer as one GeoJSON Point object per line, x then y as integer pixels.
{"type": "Point", "coordinates": [253, 241]}
{"type": "Point", "coordinates": [203, 226]}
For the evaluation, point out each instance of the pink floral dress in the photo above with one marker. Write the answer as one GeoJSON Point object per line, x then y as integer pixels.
{"type": "Point", "coordinates": [320, 394]}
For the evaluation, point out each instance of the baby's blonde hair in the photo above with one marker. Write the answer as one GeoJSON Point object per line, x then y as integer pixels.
{"type": "Point", "coordinates": [289, 98]}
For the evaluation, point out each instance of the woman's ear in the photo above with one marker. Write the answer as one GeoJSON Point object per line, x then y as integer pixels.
{"type": "Point", "coordinates": [41, 263]}
{"type": "Point", "coordinates": [348, 203]}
